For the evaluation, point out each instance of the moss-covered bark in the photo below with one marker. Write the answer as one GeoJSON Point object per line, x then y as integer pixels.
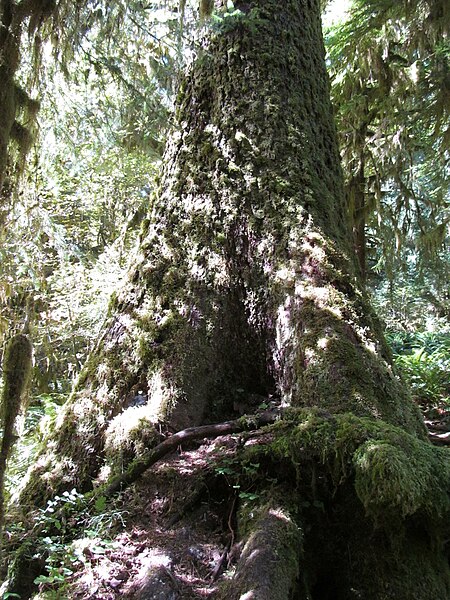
{"type": "Point", "coordinates": [17, 109]}
{"type": "Point", "coordinates": [16, 377]}
{"type": "Point", "coordinates": [246, 285]}
{"type": "Point", "coordinates": [245, 281]}
{"type": "Point", "coordinates": [372, 503]}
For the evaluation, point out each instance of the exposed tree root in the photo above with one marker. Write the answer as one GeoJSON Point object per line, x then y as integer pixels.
{"type": "Point", "coordinates": [440, 439]}
{"type": "Point", "coordinates": [137, 468]}
{"type": "Point", "coordinates": [269, 565]}
{"type": "Point", "coordinates": [225, 553]}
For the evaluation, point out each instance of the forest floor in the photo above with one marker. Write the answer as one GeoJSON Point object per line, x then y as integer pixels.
{"type": "Point", "coordinates": [173, 535]}
{"type": "Point", "coordinates": [176, 534]}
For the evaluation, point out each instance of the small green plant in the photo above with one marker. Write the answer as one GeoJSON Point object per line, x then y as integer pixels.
{"type": "Point", "coordinates": [248, 496]}
{"type": "Point", "coordinates": [227, 467]}
{"type": "Point", "coordinates": [225, 16]}
{"type": "Point", "coordinates": [58, 517]}
{"type": "Point", "coordinates": [60, 562]}
{"type": "Point", "coordinates": [63, 519]}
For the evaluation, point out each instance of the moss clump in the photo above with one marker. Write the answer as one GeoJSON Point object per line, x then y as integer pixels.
{"type": "Point", "coordinates": [206, 8]}
{"type": "Point", "coordinates": [129, 436]}
{"type": "Point", "coordinates": [16, 376]}
{"type": "Point", "coordinates": [358, 479]}
{"type": "Point", "coordinates": [402, 475]}
{"type": "Point", "coordinates": [395, 474]}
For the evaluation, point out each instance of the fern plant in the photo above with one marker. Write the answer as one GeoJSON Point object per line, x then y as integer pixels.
{"type": "Point", "coordinates": [424, 360]}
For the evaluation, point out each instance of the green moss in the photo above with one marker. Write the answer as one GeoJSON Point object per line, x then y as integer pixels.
{"type": "Point", "coordinates": [17, 365]}
{"type": "Point", "coordinates": [358, 479]}
{"type": "Point", "coordinates": [24, 568]}
{"type": "Point", "coordinates": [402, 475]}
{"type": "Point", "coordinates": [129, 436]}
{"type": "Point", "coordinates": [16, 376]}
{"type": "Point", "coordinates": [395, 474]}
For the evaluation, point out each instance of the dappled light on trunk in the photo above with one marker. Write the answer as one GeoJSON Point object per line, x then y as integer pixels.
{"type": "Point", "coordinates": [245, 292]}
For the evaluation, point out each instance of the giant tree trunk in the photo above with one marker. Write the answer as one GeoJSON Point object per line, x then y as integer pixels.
{"type": "Point", "coordinates": [245, 287]}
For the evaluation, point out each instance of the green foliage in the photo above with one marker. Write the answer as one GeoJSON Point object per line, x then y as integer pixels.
{"type": "Point", "coordinates": [61, 522]}
{"type": "Point", "coordinates": [60, 561]}
{"type": "Point", "coordinates": [240, 476]}
{"type": "Point", "coordinates": [104, 113]}
{"type": "Point", "coordinates": [388, 62]}
{"type": "Point", "coordinates": [39, 419]}
{"type": "Point", "coordinates": [424, 360]}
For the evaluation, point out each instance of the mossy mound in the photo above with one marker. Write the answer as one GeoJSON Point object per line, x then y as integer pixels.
{"type": "Point", "coordinates": [373, 502]}
{"type": "Point", "coordinates": [394, 472]}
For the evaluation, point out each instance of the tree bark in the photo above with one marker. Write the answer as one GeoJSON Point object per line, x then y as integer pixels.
{"type": "Point", "coordinates": [246, 285]}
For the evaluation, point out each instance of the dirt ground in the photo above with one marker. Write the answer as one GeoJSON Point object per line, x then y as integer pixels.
{"type": "Point", "coordinates": [175, 531]}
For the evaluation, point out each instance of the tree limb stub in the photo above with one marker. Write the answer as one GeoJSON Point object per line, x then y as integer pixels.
{"type": "Point", "coordinates": [250, 423]}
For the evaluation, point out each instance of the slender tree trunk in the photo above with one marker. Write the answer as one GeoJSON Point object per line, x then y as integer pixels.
{"type": "Point", "coordinates": [245, 287]}
{"type": "Point", "coordinates": [357, 190]}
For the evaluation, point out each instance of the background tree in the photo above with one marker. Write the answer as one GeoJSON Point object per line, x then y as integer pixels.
{"type": "Point", "coordinates": [389, 64]}
{"type": "Point", "coordinates": [89, 177]}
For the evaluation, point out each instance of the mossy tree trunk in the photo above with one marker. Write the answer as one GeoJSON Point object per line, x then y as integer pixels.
{"type": "Point", "coordinates": [246, 286]}
{"type": "Point", "coordinates": [17, 109]}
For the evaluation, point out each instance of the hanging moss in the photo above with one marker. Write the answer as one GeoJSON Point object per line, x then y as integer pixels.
{"type": "Point", "coordinates": [22, 136]}
{"type": "Point", "coordinates": [205, 9]}
{"type": "Point", "coordinates": [16, 376]}
{"type": "Point", "coordinates": [18, 113]}
{"type": "Point", "coordinates": [23, 100]}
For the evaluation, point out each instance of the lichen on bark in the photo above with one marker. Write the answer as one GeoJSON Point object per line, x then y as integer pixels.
{"type": "Point", "coordinates": [244, 281]}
